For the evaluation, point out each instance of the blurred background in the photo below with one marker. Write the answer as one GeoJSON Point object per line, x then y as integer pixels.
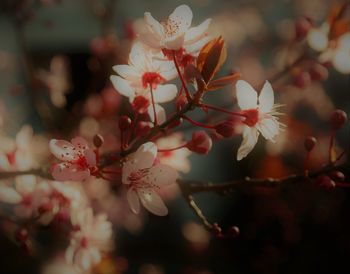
{"type": "Point", "coordinates": [55, 61]}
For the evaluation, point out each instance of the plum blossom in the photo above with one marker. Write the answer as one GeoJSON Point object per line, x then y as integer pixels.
{"type": "Point", "coordinates": [176, 32]}
{"type": "Point", "coordinates": [260, 115]}
{"type": "Point", "coordinates": [91, 235]}
{"type": "Point", "coordinates": [143, 177]}
{"type": "Point", "coordinates": [178, 158]}
{"type": "Point", "coordinates": [144, 75]}
{"type": "Point", "coordinates": [336, 51]}
{"type": "Point", "coordinates": [79, 161]}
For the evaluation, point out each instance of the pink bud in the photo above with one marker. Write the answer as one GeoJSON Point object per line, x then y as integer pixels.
{"type": "Point", "coordinates": [124, 122]}
{"type": "Point", "coordinates": [200, 143]}
{"type": "Point", "coordinates": [142, 128]}
{"type": "Point", "coordinates": [181, 101]}
{"type": "Point", "coordinates": [302, 80]}
{"type": "Point", "coordinates": [310, 143]}
{"type": "Point", "coordinates": [302, 27]}
{"type": "Point", "coordinates": [318, 72]}
{"type": "Point", "coordinates": [338, 119]}
{"type": "Point", "coordinates": [325, 182]}
{"type": "Point", "coordinates": [337, 176]}
{"type": "Point", "coordinates": [225, 129]}
{"type": "Point", "coordinates": [98, 140]}
{"type": "Point", "coordinates": [21, 235]}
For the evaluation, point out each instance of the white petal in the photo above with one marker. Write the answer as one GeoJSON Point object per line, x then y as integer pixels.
{"type": "Point", "coordinates": [266, 98]}
{"type": "Point", "coordinates": [133, 200]}
{"type": "Point", "coordinates": [122, 86]}
{"type": "Point", "coordinates": [196, 33]}
{"type": "Point", "coordinates": [164, 93]}
{"type": "Point", "coordinates": [160, 175]}
{"type": "Point", "coordinates": [25, 184]}
{"type": "Point", "coordinates": [138, 56]}
{"type": "Point", "coordinates": [269, 128]}
{"type": "Point", "coordinates": [181, 18]}
{"type": "Point", "coordinates": [154, 25]}
{"type": "Point", "coordinates": [175, 42]}
{"type": "Point", "coordinates": [62, 150]}
{"type": "Point", "coordinates": [168, 74]}
{"type": "Point", "coordinates": [160, 112]}
{"type": "Point", "coordinates": [126, 71]}
{"type": "Point", "coordinates": [9, 195]}
{"type": "Point", "coordinates": [317, 39]}
{"type": "Point", "coordinates": [152, 202]}
{"type": "Point", "coordinates": [341, 61]}
{"type": "Point", "coordinates": [151, 40]}
{"type": "Point", "coordinates": [194, 48]}
{"type": "Point", "coordinates": [250, 137]}
{"type": "Point", "coordinates": [246, 96]}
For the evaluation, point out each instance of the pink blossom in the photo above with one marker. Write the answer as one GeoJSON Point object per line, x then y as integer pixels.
{"type": "Point", "coordinates": [144, 178]}
{"type": "Point", "coordinates": [79, 159]}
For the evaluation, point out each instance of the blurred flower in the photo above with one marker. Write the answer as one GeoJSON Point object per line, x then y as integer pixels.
{"type": "Point", "coordinates": [176, 32]}
{"type": "Point", "coordinates": [92, 235]}
{"type": "Point", "coordinates": [79, 159]}
{"type": "Point", "coordinates": [178, 158]}
{"type": "Point", "coordinates": [260, 115]}
{"type": "Point", "coordinates": [143, 177]}
{"type": "Point", "coordinates": [57, 80]}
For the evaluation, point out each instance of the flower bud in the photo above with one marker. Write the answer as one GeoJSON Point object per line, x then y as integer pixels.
{"type": "Point", "coordinates": [318, 72]}
{"type": "Point", "coordinates": [98, 140]}
{"type": "Point", "coordinates": [302, 79]}
{"type": "Point", "coordinates": [337, 176]}
{"type": "Point", "coordinates": [338, 119]}
{"type": "Point", "coordinates": [302, 27]}
{"type": "Point", "coordinates": [142, 128]}
{"type": "Point", "coordinates": [200, 143]}
{"type": "Point", "coordinates": [310, 143]}
{"type": "Point", "coordinates": [124, 122]}
{"type": "Point", "coordinates": [233, 231]}
{"type": "Point", "coordinates": [225, 129]}
{"type": "Point", "coordinates": [325, 182]}
{"type": "Point", "coordinates": [21, 235]}
{"type": "Point", "coordinates": [181, 102]}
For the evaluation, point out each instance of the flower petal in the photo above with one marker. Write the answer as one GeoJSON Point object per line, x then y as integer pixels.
{"type": "Point", "coordinates": [80, 143]}
{"type": "Point", "coordinates": [250, 138]}
{"type": "Point", "coordinates": [266, 98]}
{"type": "Point", "coordinates": [269, 128]}
{"type": "Point", "coordinates": [9, 195]}
{"type": "Point", "coordinates": [154, 25]}
{"type": "Point", "coordinates": [160, 112]}
{"type": "Point", "coordinates": [62, 150]}
{"type": "Point", "coordinates": [152, 202]}
{"type": "Point", "coordinates": [164, 93]}
{"type": "Point", "coordinates": [174, 42]}
{"type": "Point", "coordinates": [69, 172]}
{"type": "Point", "coordinates": [90, 157]}
{"type": "Point", "coordinates": [133, 200]}
{"type": "Point", "coordinates": [122, 86]}
{"type": "Point", "coordinates": [160, 175]}
{"type": "Point", "coordinates": [25, 184]}
{"type": "Point", "coordinates": [196, 33]}
{"type": "Point", "coordinates": [181, 18]}
{"type": "Point", "coordinates": [126, 71]}
{"type": "Point", "coordinates": [341, 61]}
{"type": "Point", "coordinates": [246, 96]}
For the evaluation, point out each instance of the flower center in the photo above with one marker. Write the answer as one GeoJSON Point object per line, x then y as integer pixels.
{"type": "Point", "coordinates": [167, 154]}
{"type": "Point", "coordinates": [152, 79]}
{"type": "Point", "coordinates": [171, 27]}
{"type": "Point", "coordinates": [251, 116]}
{"type": "Point", "coordinates": [140, 104]}
{"type": "Point", "coordinates": [82, 162]}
